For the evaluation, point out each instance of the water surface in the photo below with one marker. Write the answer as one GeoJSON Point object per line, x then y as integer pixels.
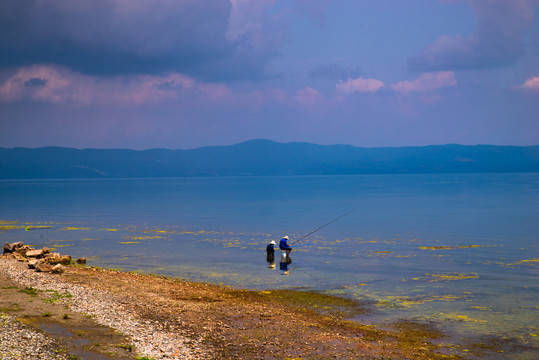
{"type": "Point", "coordinates": [459, 249]}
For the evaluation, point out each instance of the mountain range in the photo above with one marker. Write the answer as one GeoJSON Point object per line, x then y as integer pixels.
{"type": "Point", "coordinates": [263, 158]}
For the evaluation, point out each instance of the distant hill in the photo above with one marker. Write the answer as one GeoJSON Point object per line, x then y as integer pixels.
{"type": "Point", "coordinates": [261, 158]}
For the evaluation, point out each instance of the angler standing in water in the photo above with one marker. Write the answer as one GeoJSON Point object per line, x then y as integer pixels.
{"type": "Point", "coordinates": [283, 245]}
{"type": "Point", "coordinates": [285, 255]}
{"type": "Point", "coordinates": [286, 249]}
{"type": "Point", "coordinates": [270, 254]}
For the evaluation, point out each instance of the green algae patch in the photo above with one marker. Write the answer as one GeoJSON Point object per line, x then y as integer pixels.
{"type": "Point", "coordinates": [447, 277]}
{"type": "Point", "coordinates": [525, 262]}
{"type": "Point", "coordinates": [37, 227]}
{"type": "Point", "coordinates": [457, 317]}
{"type": "Point", "coordinates": [147, 237]}
{"type": "Point", "coordinates": [411, 301]}
{"type": "Point", "coordinates": [10, 227]}
{"type": "Point", "coordinates": [128, 242]}
{"type": "Point", "coordinates": [452, 247]}
{"type": "Point", "coordinates": [318, 302]}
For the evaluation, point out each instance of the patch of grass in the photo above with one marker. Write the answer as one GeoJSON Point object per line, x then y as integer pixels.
{"type": "Point", "coordinates": [128, 347]}
{"type": "Point", "coordinates": [30, 291]}
{"type": "Point", "coordinates": [57, 296]}
{"type": "Point", "coordinates": [144, 358]}
{"type": "Point", "coordinates": [12, 307]}
{"type": "Point", "coordinates": [65, 317]}
{"type": "Point", "coordinates": [9, 287]}
{"type": "Point", "coordinates": [47, 314]}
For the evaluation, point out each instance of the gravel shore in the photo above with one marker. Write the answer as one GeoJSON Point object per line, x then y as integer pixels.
{"type": "Point", "coordinates": [156, 317]}
{"type": "Point", "coordinates": [20, 342]}
{"type": "Point", "coordinates": [148, 337]}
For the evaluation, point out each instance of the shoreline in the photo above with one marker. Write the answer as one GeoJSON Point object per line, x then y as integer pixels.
{"type": "Point", "coordinates": [164, 318]}
{"type": "Point", "coordinates": [176, 319]}
{"type": "Point", "coordinates": [77, 311]}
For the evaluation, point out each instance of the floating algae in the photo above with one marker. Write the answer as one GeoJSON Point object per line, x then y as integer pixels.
{"type": "Point", "coordinates": [446, 277]}
{"type": "Point", "coordinates": [36, 227]}
{"type": "Point", "coordinates": [452, 247]}
{"type": "Point", "coordinates": [143, 237]}
{"type": "Point", "coordinates": [457, 317]}
{"type": "Point", "coordinates": [525, 262]}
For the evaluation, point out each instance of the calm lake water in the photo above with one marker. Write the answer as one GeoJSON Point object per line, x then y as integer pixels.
{"type": "Point", "coordinates": [460, 250]}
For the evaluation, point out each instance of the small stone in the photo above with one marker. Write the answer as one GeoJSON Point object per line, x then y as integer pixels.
{"type": "Point", "coordinates": [81, 261]}
{"type": "Point", "coordinates": [18, 244]}
{"type": "Point", "coordinates": [18, 257]}
{"type": "Point", "coordinates": [32, 263]}
{"type": "Point", "coordinates": [8, 248]}
{"type": "Point", "coordinates": [22, 250]}
{"type": "Point", "coordinates": [59, 259]}
{"type": "Point", "coordinates": [35, 253]}
{"type": "Point", "coordinates": [58, 269]}
{"type": "Point", "coordinates": [43, 267]}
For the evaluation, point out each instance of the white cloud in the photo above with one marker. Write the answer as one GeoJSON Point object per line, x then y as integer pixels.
{"type": "Point", "coordinates": [360, 85]}
{"type": "Point", "coordinates": [531, 84]}
{"type": "Point", "coordinates": [426, 82]}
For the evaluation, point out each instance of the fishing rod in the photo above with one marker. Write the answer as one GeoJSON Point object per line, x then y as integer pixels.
{"type": "Point", "coordinates": [321, 227]}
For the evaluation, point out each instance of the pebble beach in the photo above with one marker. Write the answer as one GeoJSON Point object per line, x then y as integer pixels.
{"type": "Point", "coordinates": [85, 312]}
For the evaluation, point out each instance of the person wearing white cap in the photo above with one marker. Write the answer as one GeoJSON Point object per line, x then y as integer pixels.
{"type": "Point", "coordinates": [285, 255]}
{"type": "Point", "coordinates": [270, 252]}
{"type": "Point", "coordinates": [283, 245]}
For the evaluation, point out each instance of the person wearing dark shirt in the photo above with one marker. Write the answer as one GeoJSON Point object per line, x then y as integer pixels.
{"type": "Point", "coordinates": [283, 245]}
{"type": "Point", "coordinates": [270, 254]}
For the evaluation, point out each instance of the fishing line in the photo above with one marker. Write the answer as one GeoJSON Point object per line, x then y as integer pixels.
{"type": "Point", "coordinates": [321, 227]}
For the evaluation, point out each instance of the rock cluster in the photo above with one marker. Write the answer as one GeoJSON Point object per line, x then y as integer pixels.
{"type": "Point", "coordinates": [42, 260]}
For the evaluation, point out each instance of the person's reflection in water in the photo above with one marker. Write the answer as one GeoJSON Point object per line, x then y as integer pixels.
{"type": "Point", "coordinates": [270, 254]}
{"type": "Point", "coordinates": [285, 261]}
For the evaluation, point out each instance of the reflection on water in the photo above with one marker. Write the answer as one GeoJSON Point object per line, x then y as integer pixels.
{"type": "Point", "coordinates": [458, 249]}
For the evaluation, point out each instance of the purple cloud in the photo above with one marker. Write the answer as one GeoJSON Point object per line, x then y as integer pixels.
{"type": "Point", "coordinates": [58, 85]}
{"type": "Point", "coordinates": [497, 41]}
{"type": "Point", "coordinates": [531, 84]}
{"type": "Point", "coordinates": [426, 82]}
{"type": "Point", "coordinates": [359, 85]}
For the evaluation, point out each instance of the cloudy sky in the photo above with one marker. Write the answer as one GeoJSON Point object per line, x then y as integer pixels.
{"type": "Point", "coordinates": [181, 74]}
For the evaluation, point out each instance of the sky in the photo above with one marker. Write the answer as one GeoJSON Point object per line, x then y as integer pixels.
{"type": "Point", "coordinates": [182, 74]}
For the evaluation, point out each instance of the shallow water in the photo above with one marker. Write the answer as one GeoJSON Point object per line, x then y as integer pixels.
{"type": "Point", "coordinates": [458, 249]}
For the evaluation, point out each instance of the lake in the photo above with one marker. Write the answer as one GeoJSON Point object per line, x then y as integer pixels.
{"type": "Point", "coordinates": [459, 250]}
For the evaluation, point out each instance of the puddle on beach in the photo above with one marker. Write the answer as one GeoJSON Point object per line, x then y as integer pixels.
{"type": "Point", "coordinates": [469, 289]}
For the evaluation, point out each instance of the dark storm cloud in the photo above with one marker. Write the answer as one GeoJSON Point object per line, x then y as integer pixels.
{"type": "Point", "coordinates": [35, 82]}
{"type": "Point", "coordinates": [109, 37]}
{"type": "Point", "coordinates": [497, 41]}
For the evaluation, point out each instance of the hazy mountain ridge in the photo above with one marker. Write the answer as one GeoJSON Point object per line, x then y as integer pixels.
{"type": "Point", "coordinates": [261, 158]}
